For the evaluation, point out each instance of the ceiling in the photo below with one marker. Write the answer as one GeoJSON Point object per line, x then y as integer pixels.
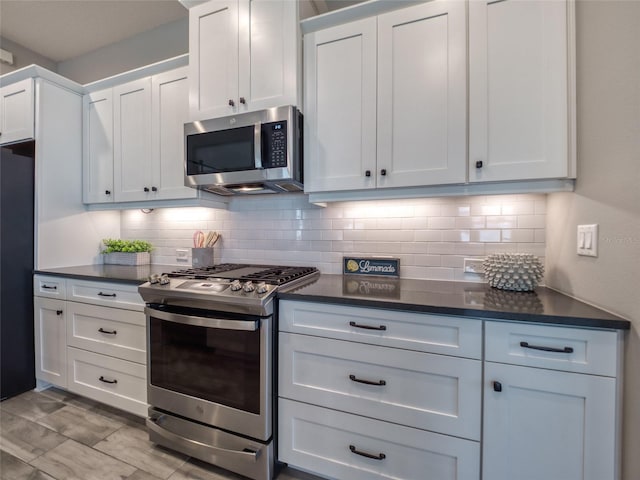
{"type": "Point", "coordinates": [64, 29]}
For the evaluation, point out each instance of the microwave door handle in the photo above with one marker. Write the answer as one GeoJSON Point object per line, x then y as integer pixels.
{"type": "Point", "coordinates": [257, 144]}
{"type": "Point", "coordinates": [219, 323]}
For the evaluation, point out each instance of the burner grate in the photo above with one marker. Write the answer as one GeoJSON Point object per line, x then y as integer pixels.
{"type": "Point", "coordinates": [272, 275]}
{"type": "Point", "coordinates": [279, 275]}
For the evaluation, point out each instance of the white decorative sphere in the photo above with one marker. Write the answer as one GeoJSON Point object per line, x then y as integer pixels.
{"type": "Point", "coordinates": [520, 272]}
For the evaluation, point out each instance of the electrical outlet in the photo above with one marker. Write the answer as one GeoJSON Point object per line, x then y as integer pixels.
{"type": "Point", "coordinates": [473, 265]}
{"type": "Point", "coordinates": [182, 254]}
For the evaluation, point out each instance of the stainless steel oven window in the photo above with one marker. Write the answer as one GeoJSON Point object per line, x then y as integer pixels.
{"type": "Point", "coordinates": [215, 369]}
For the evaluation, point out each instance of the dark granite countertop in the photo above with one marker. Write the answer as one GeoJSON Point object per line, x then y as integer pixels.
{"type": "Point", "coordinates": [453, 298]}
{"type": "Point", "coordinates": [134, 275]}
{"type": "Point", "coordinates": [456, 298]}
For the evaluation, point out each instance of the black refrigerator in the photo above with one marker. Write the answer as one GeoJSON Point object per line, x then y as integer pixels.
{"type": "Point", "coordinates": [17, 362]}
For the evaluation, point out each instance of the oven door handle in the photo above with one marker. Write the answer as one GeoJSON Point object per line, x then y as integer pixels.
{"type": "Point", "coordinates": [153, 424]}
{"type": "Point", "coordinates": [219, 323]}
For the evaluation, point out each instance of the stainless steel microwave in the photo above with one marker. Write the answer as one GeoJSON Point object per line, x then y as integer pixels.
{"type": "Point", "coordinates": [253, 152]}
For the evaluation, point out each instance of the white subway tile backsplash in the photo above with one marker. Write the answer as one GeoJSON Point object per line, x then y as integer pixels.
{"type": "Point", "coordinates": [431, 236]}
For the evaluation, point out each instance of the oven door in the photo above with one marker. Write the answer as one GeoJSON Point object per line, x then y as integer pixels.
{"type": "Point", "coordinates": [211, 367]}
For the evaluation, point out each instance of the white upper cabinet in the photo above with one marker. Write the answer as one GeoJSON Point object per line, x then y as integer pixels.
{"type": "Point", "coordinates": [169, 113]}
{"type": "Point", "coordinates": [520, 90]}
{"type": "Point", "coordinates": [340, 107]}
{"type": "Point", "coordinates": [17, 112]}
{"type": "Point", "coordinates": [132, 141]}
{"type": "Point", "coordinates": [244, 56]}
{"type": "Point", "coordinates": [422, 101]}
{"type": "Point", "coordinates": [97, 147]}
{"type": "Point", "coordinates": [385, 100]}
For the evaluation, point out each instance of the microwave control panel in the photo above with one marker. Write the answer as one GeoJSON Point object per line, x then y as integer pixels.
{"type": "Point", "coordinates": [274, 144]}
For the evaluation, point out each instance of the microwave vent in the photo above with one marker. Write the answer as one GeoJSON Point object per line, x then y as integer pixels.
{"type": "Point", "coordinates": [289, 187]}
{"type": "Point", "coordinates": [218, 190]}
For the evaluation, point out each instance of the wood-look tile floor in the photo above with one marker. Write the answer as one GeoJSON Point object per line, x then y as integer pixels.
{"type": "Point", "coordinates": [56, 435]}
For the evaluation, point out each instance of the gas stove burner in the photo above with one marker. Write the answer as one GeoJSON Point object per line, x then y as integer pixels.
{"type": "Point", "coordinates": [272, 275]}
{"type": "Point", "coordinates": [204, 272]}
{"type": "Point", "coordinates": [279, 275]}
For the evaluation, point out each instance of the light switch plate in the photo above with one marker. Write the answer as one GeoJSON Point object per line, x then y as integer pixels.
{"type": "Point", "coordinates": [587, 240]}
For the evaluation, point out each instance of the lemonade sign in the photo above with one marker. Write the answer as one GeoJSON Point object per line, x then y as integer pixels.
{"type": "Point", "coordinates": [388, 267]}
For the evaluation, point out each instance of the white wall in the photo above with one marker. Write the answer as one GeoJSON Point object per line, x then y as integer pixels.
{"type": "Point", "coordinates": [608, 187]}
{"type": "Point", "coordinates": [160, 43]}
{"type": "Point", "coordinates": [23, 57]}
{"type": "Point", "coordinates": [430, 236]}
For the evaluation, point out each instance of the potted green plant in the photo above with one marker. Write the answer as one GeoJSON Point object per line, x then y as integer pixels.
{"type": "Point", "coordinates": [126, 252]}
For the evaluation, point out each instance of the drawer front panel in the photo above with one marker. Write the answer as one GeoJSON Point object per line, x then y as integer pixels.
{"type": "Point", "coordinates": [50, 287]}
{"type": "Point", "coordinates": [115, 382]}
{"type": "Point", "coordinates": [334, 444]}
{"type": "Point", "coordinates": [106, 294]}
{"type": "Point", "coordinates": [426, 391]}
{"type": "Point", "coordinates": [110, 331]}
{"type": "Point", "coordinates": [573, 349]}
{"type": "Point", "coordinates": [443, 334]}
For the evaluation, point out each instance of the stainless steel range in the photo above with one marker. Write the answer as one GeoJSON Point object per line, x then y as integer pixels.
{"type": "Point", "coordinates": [210, 362]}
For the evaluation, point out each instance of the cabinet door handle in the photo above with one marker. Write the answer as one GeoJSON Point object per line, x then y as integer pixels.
{"type": "Point", "coordinates": [546, 349]}
{"type": "Point", "coordinates": [367, 173]}
{"type": "Point", "coordinates": [106, 294]}
{"type": "Point", "coordinates": [479, 164]}
{"type": "Point", "coordinates": [58, 312]}
{"type": "Point", "coordinates": [497, 387]}
{"type": "Point", "coordinates": [154, 189]}
{"type": "Point", "coordinates": [367, 327]}
{"type": "Point", "coordinates": [232, 103]}
{"type": "Point", "coordinates": [146, 189]}
{"type": "Point", "coordinates": [108, 332]}
{"type": "Point", "coordinates": [107, 192]}
{"type": "Point", "coordinates": [379, 383]}
{"type": "Point", "coordinates": [383, 172]}
{"type": "Point", "coordinates": [243, 101]}
{"type": "Point", "coordinates": [50, 287]}
{"type": "Point", "coordinates": [380, 456]}
{"type": "Point", "coordinates": [105, 380]}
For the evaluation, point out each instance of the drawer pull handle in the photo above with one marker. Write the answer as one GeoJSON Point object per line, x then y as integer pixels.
{"type": "Point", "coordinates": [367, 327]}
{"type": "Point", "coordinates": [58, 312]}
{"type": "Point", "coordinates": [546, 349]}
{"type": "Point", "coordinates": [49, 287]}
{"type": "Point", "coordinates": [497, 387]}
{"type": "Point", "coordinates": [107, 294]}
{"type": "Point", "coordinates": [108, 332]}
{"type": "Point", "coordinates": [380, 383]}
{"type": "Point", "coordinates": [102, 379]}
{"type": "Point", "coordinates": [380, 456]}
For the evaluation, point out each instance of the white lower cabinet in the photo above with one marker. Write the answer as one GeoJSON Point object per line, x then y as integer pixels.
{"type": "Point", "coordinates": [422, 390]}
{"type": "Point", "coordinates": [50, 340]}
{"type": "Point", "coordinates": [91, 339]}
{"type": "Point", "coordinates": [551, 403]}
{"type": "Point", "coordinates": [361, 398]}
{"type": "Point", "coordinates": [110, 380]}
{"type": "Point", "coordinates": [544, 424]}
{"type": "Point", "coordinates": [343, 446]}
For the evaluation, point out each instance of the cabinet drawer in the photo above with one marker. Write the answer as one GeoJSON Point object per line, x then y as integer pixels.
{"type": "Point", "coordinates": [322, 441]}
{"type": "Point", "coordinates": [110, 331]}
{"type": "Point", "coordinates": [116, 382]}
{"type": "Point", "coordinates": [574, 349]}
{"type": "Point", "coordinates": [443, 334]}
{"type": "Point", "coordinates": [105, 293]}
{"type": "Point", "coordinates": [50, 287]}
{"type": "Point", "coordinates": [431, 392]}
